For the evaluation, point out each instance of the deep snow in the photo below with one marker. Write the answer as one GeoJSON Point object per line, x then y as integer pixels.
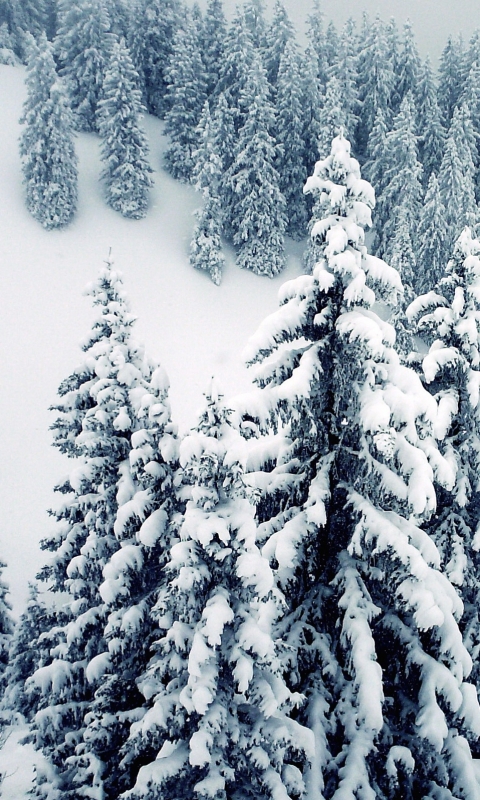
{"type": "Point", "coordinates": [193, 327]}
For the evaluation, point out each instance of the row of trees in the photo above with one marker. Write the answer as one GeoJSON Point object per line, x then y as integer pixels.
{"type": "Point", "coordinates": [248, 112]}
{"type": "Point", "coordinates": [284, 602]}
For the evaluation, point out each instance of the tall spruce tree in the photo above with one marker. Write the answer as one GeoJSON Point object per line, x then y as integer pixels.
{"type": "Point", "coordinates": [289, 136]}
{"type": "Point", "coordinates": [311, 106]}
{"type": "Point", "coordinates": [97, 417]}
{"type": "Point", "coordinates": [403, 187]}
{"type": "Point", "coordinates": [127, 173]}
{"type": "Point", "coordinates": [206, 245]}
{"type": "Point", "coordinates": [154, 23]}
{"type": "Point", "coordinates": [447, 320]}
{"type": "Point", "coordinates": [279, 34]}
{"type": "Point", "coordinates": [372, 617]}
{"type": "Point", "coordinates": [450, 73]}
{"type": "Point", "coordinates": [317, 44]}
{"type": "Point", "coordinates": [49, 162]}
{"type": "Point", "coordinates": [219, 720]}
{"type": "Point", "coordinates": [257, 218]}
{"type": "Point", "coordinates": [431, 142]}
{"type": "Point", "coordinates": [456, 176]}
{"type": "Point", "coordinates": [186, 97]}
{"type": "Point", "coordinates": [432, 234]}
{"type": "Point", "coordinates": [83, 44]}
{"type": "Point", "coordinates": [408, 66]}
{"type": "Point", "coordinates": [213, 44]}
{"type": "Point", "coordinates": [375, 81]}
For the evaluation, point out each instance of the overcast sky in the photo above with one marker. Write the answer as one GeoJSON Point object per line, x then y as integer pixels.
{"type": "Point", "coordinates": [433, 20]}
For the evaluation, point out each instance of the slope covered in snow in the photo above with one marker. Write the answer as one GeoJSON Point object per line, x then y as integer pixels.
{"type": "Point", "coordinates": [194, 328]}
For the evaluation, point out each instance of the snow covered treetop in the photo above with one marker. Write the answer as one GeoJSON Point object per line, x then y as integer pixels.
{"type": "Point", "coordinates": [344, 204]}
{"type": "Point", "coordinates": [116, 318]}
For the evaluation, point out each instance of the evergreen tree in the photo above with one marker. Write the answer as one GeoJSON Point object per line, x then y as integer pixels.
{"type": "Point", "coordinates": [206, 246]}
{"type": "Point", "coordinates": [378, 155]}
{"type": "Point", "coordinates": [217, 695]}
{"type": "Point", "coordinates": [332, 116]}
{"type": "Point", "coordinates": [332, 46]}
{"type": "Point", "coordinates": [447, 319]}
{"type": "Point", "coordinates": [254, 16]}
{"type": "Point", "coordinates": [431, 238]}
{"type": "Point", "coordinates": [28, 651]}
{"type": "Point", "coordinates": [186, 97]}
{"type": "Point", "coordinates": [234, 73]}
{"type": "Point", "coordinates": [289, 136]}
{"type": "Point", "coordinates": [98, 412]}
{"type": "Point", "coordinates": [49, 163]}
{"type": "Point", "coordinates": [83, 44]}
{"type": "Point", "coordinates": [450, 74]}
{"type": "Point", "coordinates": [372, 617]}
{"type": "Point", "coordinates": [403, 188]}
{"type": "Point", "coordinates": [124, 144]}
{"type": "Point", "coordinates": [154, 23]}
{"type": "Point", "coordinates": [408, 66]}
{"type": "Point", "coordinates": [456, 177]}
{"type": "Point", "coordinates": [431, 142]}
{"type": "Point", "coordinates": [213, 44]}
{"type": "Point", "coordinates": [6, 629]}
{"type": "Point", "coordinates": [147, 503]}
{"type": "Point", "coordinates": [279, 34]}
{"type": "Point", "coordinates": [317, 44]}
{"type": "Point", "coordinates": [375, 82]}
{"type": "Point", "coordinates": [311, 106]}
{"type": "Point", "coordinates": [257, 212]}
{"type": "Point", "coordinates": [345, 70]}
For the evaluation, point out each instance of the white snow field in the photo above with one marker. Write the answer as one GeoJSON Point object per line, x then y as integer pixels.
{"type": "Point", "coordinates": [194, 328]}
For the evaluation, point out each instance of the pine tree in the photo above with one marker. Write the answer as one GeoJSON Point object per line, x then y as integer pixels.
{"type": "Point", "coordinates": [254, 15]}
{"type": "Point", "coordinates": [154, 23]}
{"type": "Point", "coordinates": [431, 239]}
{"type": "Point", "coordinates": [147, 503]}
{"type": "Point", "coordinates": [456, 177]}
{"type": "Point", "coordinates": [97, 418]}
{"type": "Point", "coordinates": [28, 652]}
{"type": "Point", "coordinates": [403, 188]}
{"type": "Point", "coordinates": [49, 162]}
{"type": "Point", "coordinates": [332, 116]}
{"type": "Point", "coordinates": [6, 629]}
{"type": "Point", "coordinates": [279, 34]}
{"type": "Point", "coordinates": [289, 136]}
{"type": "Point", "coordinates": [447, 320]}
{"type": "Point", "coordinates": [257, 213]}
{"type": "Point", "coordinates": [124, 144]}
{"type": "Point", "coordinates": [378, 155]}
{"type": "Point", "coordinates": [206, 246]}
{"type": "Point", "coordinates": [345, 70]}
{"type": "Point", "coordinates": [431, 141]}
{"type": "Point", "coordinates": [408, 66]}
{"type": "Point", "coordinates": [235, 70]}
{"type": "Point", "coordinates": [218, 700]}
{"type": "Point", "coordinates": [375, 82]}
{"type": "Point", "coordinates": [317, 44]}
{"type": "Point", "coordinates": [83, 44]}
{"type": "Point", "coordinates": [450, 79]}
{"type": "Point", "coordinates": [372, 617]}
{"type": "Point", "coordinates": [186, 97]}
{"type": "Point", "coordinates": [213, 44]}
{"type": "Point", "coordinates": [311, 106]}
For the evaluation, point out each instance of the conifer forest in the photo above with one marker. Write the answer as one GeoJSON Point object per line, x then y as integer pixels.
{"type": "Point", "coordinates": [282, 602]}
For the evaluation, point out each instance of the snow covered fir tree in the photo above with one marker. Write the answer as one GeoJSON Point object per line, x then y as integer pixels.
{"type": "Point", "coordinates": [282, 601]}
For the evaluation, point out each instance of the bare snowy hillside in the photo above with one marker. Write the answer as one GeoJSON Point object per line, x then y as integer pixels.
{"type": "Point", "coordinates": [193, 327]}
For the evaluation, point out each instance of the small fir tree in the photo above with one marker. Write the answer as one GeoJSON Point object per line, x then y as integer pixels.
{"type": "Point", "coordinates": [49, 162]}
{"type": "Point", "coordinates": [127, 173]}
{"type": "Point", "coordinates": [219, 706]}
{"type": "Point", "coordinates": [258, 207]}
{"type": "Point", "coordinates": [206, 246]}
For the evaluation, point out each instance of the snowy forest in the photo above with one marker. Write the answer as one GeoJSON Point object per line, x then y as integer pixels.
{"type": "Point", "coordinates": [282, 603]}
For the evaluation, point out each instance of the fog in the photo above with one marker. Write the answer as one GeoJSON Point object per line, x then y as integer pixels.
{"type": "Point", "coordinates": [433, 20]}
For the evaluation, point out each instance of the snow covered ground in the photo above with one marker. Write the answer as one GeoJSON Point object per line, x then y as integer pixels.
{"type": "Point", "coordinates": [194, 328]}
